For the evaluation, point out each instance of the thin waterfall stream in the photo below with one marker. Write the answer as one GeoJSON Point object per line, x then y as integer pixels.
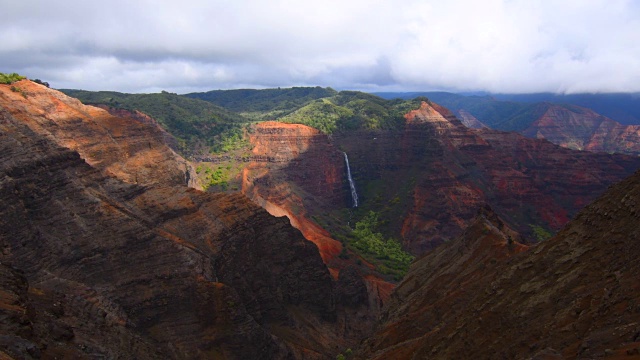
{"type": "Point", "coordinates": [352, 184]}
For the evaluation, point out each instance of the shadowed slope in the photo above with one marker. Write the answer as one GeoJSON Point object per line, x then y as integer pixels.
{"type": "Point", "coordinates": [575, 295]}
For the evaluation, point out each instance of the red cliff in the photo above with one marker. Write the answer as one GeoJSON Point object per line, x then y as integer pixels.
{"type": "Point", "coordinates": [481, 296]}
{"type": "Point", "coordinates": [579, 128]}
{"type": "Point", "coordinates": [430, 178]}
{"type": "Point", "coordinates": [123, 147]}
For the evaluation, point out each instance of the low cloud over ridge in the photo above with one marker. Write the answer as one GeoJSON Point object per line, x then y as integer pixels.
{"type": "Point", "coordinates": [494, 45]}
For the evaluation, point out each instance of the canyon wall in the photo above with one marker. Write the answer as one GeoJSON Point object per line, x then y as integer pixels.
{"type": "Point", "coordinates": [484, 296]}
{"type": "Point", "coordinates": [107, 264]}
{"type": "Point", "coordinates": [430, 179]}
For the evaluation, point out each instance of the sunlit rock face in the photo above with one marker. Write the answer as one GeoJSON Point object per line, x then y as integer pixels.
{"type": "Point", "coordinates": [110, 265]}
{"type": "Point", "coordinates": [126, 147]}
{"type": "Point", "coordinates": [432, 177]}
{"type": "Point", "coordinates": [579, 128]}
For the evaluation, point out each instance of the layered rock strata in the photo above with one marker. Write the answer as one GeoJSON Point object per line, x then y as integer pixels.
{"type": "Point", "coordinates": [483, 296]}
{"type": "Point", "coordinates": [579, 128]}
{"type": "Point", "coordinates": [123, 270]}
{"type": "Point", "coordinates": [431, 178]}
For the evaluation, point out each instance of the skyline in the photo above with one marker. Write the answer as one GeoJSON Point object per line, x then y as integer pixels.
{"type": "Point", "coordinates": [508, 46]}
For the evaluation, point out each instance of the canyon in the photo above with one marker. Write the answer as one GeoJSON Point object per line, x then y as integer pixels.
{"type": "Point", "coordinates": [111, 261]}
{"type": "Point", "coordinates": [484, 296]}
{"type": "Point", "coordinates": [111, 248]}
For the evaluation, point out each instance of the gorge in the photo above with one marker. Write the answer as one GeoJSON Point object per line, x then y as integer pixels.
{"type": "Point", "coordinates": [110, 248]}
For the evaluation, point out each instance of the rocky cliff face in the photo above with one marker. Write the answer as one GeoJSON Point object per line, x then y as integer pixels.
{"type": "Point", "coordinates": [483, 296]}
{"type": "Point", "coordinates": [580, 128]}
{"type": "Point", "coordinates": [124, 147]}
{"type": "Point", "coordinates": [431, 178]}
{"type": "Point", "coordinates": [469, 120]}
{"type": "Point", "coordinates": [290, 163]}
{"type": "Point", "coordinates": [121, 270]}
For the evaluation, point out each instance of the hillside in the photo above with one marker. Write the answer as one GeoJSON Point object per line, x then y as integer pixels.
{"type": "Point", "coordinates": [571, 126]}
{"type": "Point", "coordinates": [579, 128]}
{"type": "Point", "coordinates": [484, 296]}
{"type": "Point", "coordinates": [104, 259]}
{"type": "Point", "coordinates": [199, 126]}
{"type": "Point", "coordinates": [266, 104]}
{"type": "Point", "coordinates": [400, 167]}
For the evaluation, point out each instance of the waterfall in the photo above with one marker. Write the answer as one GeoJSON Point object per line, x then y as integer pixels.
{"type": "Point", "coordinates": [352, 185]}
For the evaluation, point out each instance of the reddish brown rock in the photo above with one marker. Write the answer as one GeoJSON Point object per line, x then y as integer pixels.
{"type": "Point", "coordinates": [430, 179]}
{"type": "Point", "coordinates": [123, 147]}
{"type": "Point", "coordinates": [146, 270]}
{"type": "Point", "coordinates": [574, 296]}
{"type": "Point", "coordinates": [579, 128]}
{"type": "Point", "coordinates": [292, 162]}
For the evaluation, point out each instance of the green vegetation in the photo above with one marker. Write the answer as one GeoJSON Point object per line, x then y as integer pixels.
{"type": "Point", "coordinates": [373, 245]}
{"type": "Point", "coordinates": [347, 355]}
{"type": "Point", "coordinates": [540, 233]}
{"type": "Point", "coordinates": [218, 177]}
{"type": "Point", "coordinates": [352, 110]}
{"type": "Point", "coordinates": [267, 104]}
{"type": "Point", "coordinates": [322, 108]}
{"type": "Point", "coordinates": [196, 124]}
{"type": "Point", "coordinates": [19, 90]}
{"type": "Point", "coordinates": [9, 79]}
{"type": "Point", "coordinates": [320, 114]}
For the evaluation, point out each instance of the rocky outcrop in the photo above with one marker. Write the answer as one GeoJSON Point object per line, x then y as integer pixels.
{"type": "Point", "coordinates": [291, 164]}
{"type": "Point", "coordinates": [469, 120]}
{"type": "Point", "coordinates": [430, 179]}
{"type": "Point", "coordinates": [153, 271]}
{"type": "Point", "coordinates": [482, 296]}
{"type": "Point", "coordinates": [579, 128]}
{"type": "Point", "coordinates": [124, 147]}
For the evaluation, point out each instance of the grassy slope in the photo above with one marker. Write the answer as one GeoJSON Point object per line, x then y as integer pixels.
{"type": "Point", "coordinates": [267, 104]}
{"type": "Point", "coordinates": [193, 122]}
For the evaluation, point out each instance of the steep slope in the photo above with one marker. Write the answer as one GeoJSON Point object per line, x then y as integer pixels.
{"type": "Point", "coordinates": [199, 126]}
{"type": "Point", "coordinates": [123, 147]}
{"type": "Point", "coordinates": [580, 128]}
{"type": "Point", "coordinates": [121, 270]}
{"type": "Point", "coordinates": [568, 120]}
{"type": "Point", "coordinates": [575, 295]}
{"type": "Point", "coordinates": [469, 120]}
{"type": "Point", "coordinates": [295, 158]}
{"type": "Point", "coordinates": [430, 179]}
{"type": "Point", "coordinates": [266, 104]}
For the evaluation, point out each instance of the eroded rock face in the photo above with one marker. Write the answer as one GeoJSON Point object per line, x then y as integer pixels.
{"type": "Point", "coordinates": [572, 296]}
{"type": "Point", "coordinates": [124, 147]}
{"type": "Point", "coordinates": [291, 164]}
{"type": "Point", "coordinates": [431, 178]}
{"type": "Point", "coordinates": [152, 271]}
{"type": "Point", "coordinates": [575, 127]}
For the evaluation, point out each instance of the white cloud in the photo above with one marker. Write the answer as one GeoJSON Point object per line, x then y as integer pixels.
{"type": "Point", "coordinates": [495, 45]}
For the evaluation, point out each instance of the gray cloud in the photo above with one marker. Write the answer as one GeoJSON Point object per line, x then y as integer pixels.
{"type": "Point", "coordinates": [494, 45]}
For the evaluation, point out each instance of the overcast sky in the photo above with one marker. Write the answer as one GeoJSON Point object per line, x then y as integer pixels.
{"type": "Point", "coordinates": [564, 46]}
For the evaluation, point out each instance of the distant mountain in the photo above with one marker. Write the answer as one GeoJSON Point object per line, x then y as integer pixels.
{"type": "Point", "coordinates": [567, 125]}
{"type": "Point", "coordinates": [266, 104]}
{"type": "Point", "coordinates": [580, 128]}
{"type": "Point", "coordinates": [622, 107]}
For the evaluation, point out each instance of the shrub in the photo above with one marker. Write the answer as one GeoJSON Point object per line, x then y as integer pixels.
{"type": "Point", "coordinates": [10, 78]}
